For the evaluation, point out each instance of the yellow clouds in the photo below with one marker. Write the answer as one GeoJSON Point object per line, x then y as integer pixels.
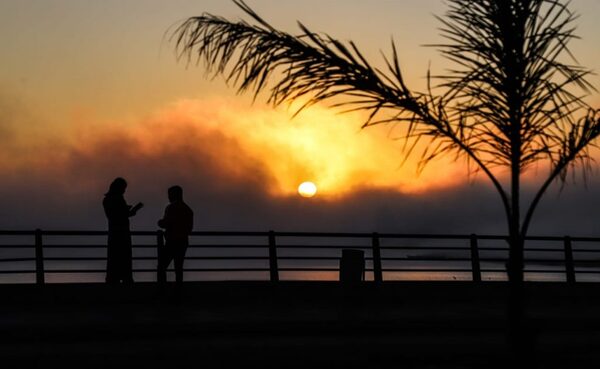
{"type": "Point", "coordinates": [319, 145]}
{"type": "Point", "coordinates": [236, 145]}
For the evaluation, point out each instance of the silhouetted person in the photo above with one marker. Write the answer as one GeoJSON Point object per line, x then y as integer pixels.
{"type": "Point", "coordinates": [118, 263]}
{"type": "Point", "coordinates": [178, 222]}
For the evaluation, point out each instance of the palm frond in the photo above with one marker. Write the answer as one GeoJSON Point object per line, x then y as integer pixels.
{"type": "Point", "coordinates": [512, 85]}
{"type": "Point", "coordinates": [309, 66]}
{"type": "Point", "coordinates": [510, 100]}
{"type": "Point", "coordinates": [317, 68]}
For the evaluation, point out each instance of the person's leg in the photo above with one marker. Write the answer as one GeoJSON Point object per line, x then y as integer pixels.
{"type": "Point", "coordinates": [118, 252]}
{"type": "Point", "coordinates": [180, 250]}
{"type": "Point", "coordinates": [127, 266]}
{"type": "Point", "coordinates": [165, 257]}
{"type": "Point", "coordinates": [161, 268]}
{"type": "Point", "coordinates": [111, 260]}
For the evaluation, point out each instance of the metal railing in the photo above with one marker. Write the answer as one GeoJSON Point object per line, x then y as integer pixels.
{"type": "Point", "coordinates": [388, 256]}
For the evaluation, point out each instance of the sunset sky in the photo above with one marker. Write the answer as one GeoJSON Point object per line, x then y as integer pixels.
{"type": "Point", "coordinates": [91, 90]}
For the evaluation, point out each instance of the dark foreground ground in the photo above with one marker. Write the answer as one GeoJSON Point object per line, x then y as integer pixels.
{"type": "Point", "coordinates": [292, 325]}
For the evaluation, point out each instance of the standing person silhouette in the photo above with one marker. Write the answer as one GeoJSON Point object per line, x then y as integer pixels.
{"type": "Point", "coordinates": [118, 263]}
{"type": "Point", "coordinates": [178, 222]}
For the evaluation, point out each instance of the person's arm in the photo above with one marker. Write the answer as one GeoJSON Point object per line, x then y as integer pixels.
{"type": "Point", "coordinates": [134, 209]}
{"type": "Point", "coordinates": [163, 223]}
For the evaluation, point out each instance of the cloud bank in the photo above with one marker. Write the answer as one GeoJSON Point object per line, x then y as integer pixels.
{"type": "Point", "coordinates": [239, 168]}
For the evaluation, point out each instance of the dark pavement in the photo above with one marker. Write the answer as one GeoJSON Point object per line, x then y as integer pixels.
{"type": "Point", "coordinates": [292, 325]}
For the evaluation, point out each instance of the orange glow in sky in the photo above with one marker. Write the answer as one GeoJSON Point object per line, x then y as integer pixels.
{"type": "Point", "coordinates": [327, 147]}
{"type": "Point", "coordinates": [69, 79]}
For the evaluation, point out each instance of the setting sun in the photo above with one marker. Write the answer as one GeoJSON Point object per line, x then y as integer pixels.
{"type": "Point", "coordinates": [307, 189]}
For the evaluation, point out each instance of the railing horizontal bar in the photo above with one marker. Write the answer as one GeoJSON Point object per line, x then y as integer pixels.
{"type": "Point", "coordinates": [299, 234]}
{"type": "Point", "coordinates": [439, 248]}
{"type": "Point", "coordinates": [545, 238]}
{"type": "Point", "coordinates": [369, 235]}
{"type": "Point", "coordinates": [297, 258]}
{"type": "Point", "coordinates": [544, 271]}
{"type": "Point", "coordinates": [432, 248]}
{"type": "Point", "coordinates": [94, 246]}
{"type": "Point", "coordinates": [308, 269]}
{"type": "Point", "coordinates": [96, 271]}
{"type": "Point", "coordinates": [300, 269]}
{"type": "Point", "coordinates": [82, 258]}
{"type": "Point", "coordinates": [227, 270]}
{"type": "Point", "coordinates": [442, 259]}
{"type": "Point", "coordinates": [578, 239]}
{"type": "Point", "coordinates": [17, 271]}
{"type": "Point", "coordinates": [265, 246]}
{"type": "Point", "coordinates": [438, 236]}
{"type": "Point", "coordinates": [150, 247]}
{"type": "Point", "coordinates": [190, 258]}
{"type": "Point", "coordinates": [76, 246]}
{"type": "Point", "coordinates": [587, 271]}
{"type": "Point", "coordinates": [18, 246]}
{"type": "Point", "coordinates": [80, 233]}
{"type": "Point", "coordinates": [226, 258]}
{"type": "Point", "coordinates": [427, 270]}
{"type": "Point", "coordinates": [585, 251]}
{"type": "Point", "coordinates": [229, 234]}
{"type": "Point", "coordinates": [497, 260]}
{"type": "Point", "coordinates": [557, 271]}
{"type": "Point", "coordinates": [551, 261]}
{"type": "Point", "coordinates": [527, 249]}
{"type": "Point", "coordinates": [324, 247]}
{"type": "Point", "coordinates": [93, 233]}
{"type": "Point", "coordinates": [81, 271]}
{"type": "Point", "coordinates": [16, 233]}
{"type": "Point", "coordinates": [256, 234]}
{"type": "Point", "coordinates": [335, 258]}
{"type": "Point", "coordinates": [312, 258]}
{"type": "Point", "coordinates": [84, 271]}
{"type": "Point", "coordinates": [493, 270]}
{"type": "Point", "coordinates": [581, 261]}
{"type": "Point", "coordinates": [426, 259]}
{"type": "Point", "coordinates": [16, 260]}
{"type": "Point", "coordinates": [543, 250]}
{"type": "Point", "coordinates": [527, 260]}
{"type": "Point", "coordinates": [186, 258]}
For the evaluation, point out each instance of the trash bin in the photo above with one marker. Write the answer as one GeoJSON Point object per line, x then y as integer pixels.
{"type": "Point", "coordinates": [352, 266]}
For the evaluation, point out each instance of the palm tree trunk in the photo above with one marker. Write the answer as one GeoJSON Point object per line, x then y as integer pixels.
{"type": "Point", "coordinates": [518, 337]}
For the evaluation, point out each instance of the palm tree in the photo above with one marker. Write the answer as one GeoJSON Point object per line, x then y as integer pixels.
{"type": "Point", "coordinates": [511, 101]}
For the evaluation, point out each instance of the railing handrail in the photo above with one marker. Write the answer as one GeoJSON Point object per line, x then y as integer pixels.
{"type": "Point", "coordinates": [300, 234]}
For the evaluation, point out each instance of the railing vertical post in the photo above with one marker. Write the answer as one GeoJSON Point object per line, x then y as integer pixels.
{"type": "Point", "coordinates": [273, 267]}
{"type": "Point", "coordinates": [377, 271]}
{"type": "Point", "coordinates": [39, 258]}
{"type": "Point", "coordinates": [161, 270]}
{"type": "Point", "coordinates": [475, 263]}
{"type": "Point", "coordinates": [569, 263]}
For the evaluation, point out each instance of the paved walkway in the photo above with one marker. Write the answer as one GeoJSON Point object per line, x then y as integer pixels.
{"type": "Point", "coordinates": [291, 325]}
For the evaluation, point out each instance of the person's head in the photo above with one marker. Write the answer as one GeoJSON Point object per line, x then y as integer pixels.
{"type": "Point", "coordinates": [117, 187]}
{"type": "Point", "coordinates": [175, 193]}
